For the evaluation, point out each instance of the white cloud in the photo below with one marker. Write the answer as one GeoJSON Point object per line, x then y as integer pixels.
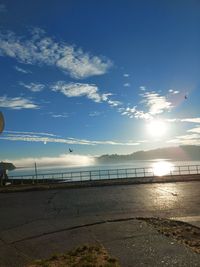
{"type": "Point", "coordinates": [135, 113]}
{"type": "Point", "coordinates": [142, 88]}
{"type": "Point", "coordinates": [126, 75]}
{"type": "Point", "coordinates": [40, 49]}
{"type": "Point", "coordinates": [34, 137]}
{"type": "Point", "coordinates": [114, 103]}
{"type": "Point", "coordinates": [60, 115]}
{"type": "Point", "coordinates": [130, 112]}
{"type": "Point", "coordinates": [90, 91]}
{"type": "Point", "coordinates": [188, 139]}
{"type": "Point", "coordinates": [30, 133]}
{"type": "Point", "coordinates": [191, 120]}
{"type": "Point", "coordinates": [78, 89]}
{"type": "Point", "coordinates": [33, 87]}
{"type": "Point", "coordinates": [153, 104]}
{"type": "Point", "coordinates": [22, 70]}
{"type": "Point", "coordinates": [194, 130]}
{"type": "Point", "coordinates": [126, 85]}
{"type": "Point", "coordinates": [95, 113]}
{"type": "Point", "coordinates": [173, 92]}
{"type": "Point", "coordinates": [156, 103]}
{"type": "Point", "coordinates": [81, 65]}
{"type": "Point", "coordinates": [17, 103]}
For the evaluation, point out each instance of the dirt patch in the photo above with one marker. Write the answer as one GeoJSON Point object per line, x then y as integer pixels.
{"type": "Point", "coordinates": [184, 233]}
{"type": "Point", "coordinates": [84, 256]}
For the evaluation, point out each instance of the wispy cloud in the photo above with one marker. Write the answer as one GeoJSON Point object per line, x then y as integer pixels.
{"type": "Point", "coordinates": [95, 113]}
{"type": "Point", "coordinates": [126, 85]}
{"type": "Point", "coordinates": [188, 139]}
{"type": "Point", "coordinates": [30, 133]}
{"type": "Point", "coordinates": [194, 130]}
{"type": "Point", "coordinates": [135, 113]}
{"type": "Point", "coordinates": [33, 87]}
{"type": "Point", "coordinates": [17, 103]}
{"type": "Point", "coordinates": [192, 137]}
{"type": "Point", "coordinates": [113, 103]}
{"type": "Point", "coordinates": [190, 120]}
{"type": "Point", "coordinates": [40, 49]}
{"type": "Point", "coordinates": [89, 91]}
{"type": "Point", "coordinates": [126, 75]}
{"type": "Point", "coordinates": [65, 115]}
{"type": "Point", "coordinates": [152, 104]}
{"type": "Point", "coordinates": [77, 90]}
{"type": "Point", "coordinates": [142, 88]}
{"type": "Point", "coordinates": [22, 70]}
{"type": "Point", "coordinates": [156, 103]}
{"type": "Point", "coordinates": [34, 137]}
{"type": "Point", "coordinates": [173, 92]}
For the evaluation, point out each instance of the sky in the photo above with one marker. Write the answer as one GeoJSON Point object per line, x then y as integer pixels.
{"type": "Point", "coordinates": [99, 77]}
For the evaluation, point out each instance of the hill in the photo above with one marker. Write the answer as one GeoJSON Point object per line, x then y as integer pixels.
{"type": "Point", "coordinates": [190, 152]}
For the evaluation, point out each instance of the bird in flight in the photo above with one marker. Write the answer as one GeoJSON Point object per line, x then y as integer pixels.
{"type": "Point", "coordinates": [186, 97]}
{"type": "Point", "coordinates": [70, 150]}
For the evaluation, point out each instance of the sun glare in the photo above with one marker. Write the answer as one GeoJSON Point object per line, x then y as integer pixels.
{"type": "Point", "coordinates": [157, 128]}
{"type": "Point", "coordinates": [162, 168]}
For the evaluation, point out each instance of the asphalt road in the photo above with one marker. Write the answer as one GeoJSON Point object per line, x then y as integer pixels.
{"type": "Point", "coordinates": [55, 209]}
{"type": "Point", "coordinates": [30, 215]}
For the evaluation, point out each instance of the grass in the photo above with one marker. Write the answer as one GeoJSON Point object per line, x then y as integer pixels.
{"type": "Point", "coordinates": [83, 256]}
{"type": "Point", "coordinates": [182, 232]}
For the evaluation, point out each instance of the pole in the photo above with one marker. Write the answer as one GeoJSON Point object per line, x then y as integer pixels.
{"type": "Point", "coordinates": [35, 171]}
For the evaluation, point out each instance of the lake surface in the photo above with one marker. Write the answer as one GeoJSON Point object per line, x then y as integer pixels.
{"type": "Point", "coordinates": [158, 165]}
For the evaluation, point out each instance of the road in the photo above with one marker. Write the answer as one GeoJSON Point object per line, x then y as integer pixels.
{"type": "Point", "coordinates": [30, 215]}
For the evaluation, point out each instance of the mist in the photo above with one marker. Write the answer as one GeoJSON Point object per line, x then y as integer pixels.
{"type": "Point", "coordinates": [65, 160]}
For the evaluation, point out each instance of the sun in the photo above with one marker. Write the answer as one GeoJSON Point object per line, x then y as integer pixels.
{"type": "Point", "coordinates": [157, 128]}
{"type": "Point", "coordinates": [161, 168]}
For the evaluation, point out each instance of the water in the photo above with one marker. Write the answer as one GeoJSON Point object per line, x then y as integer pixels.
{"type": "Point", "coordinates": [156, 164]}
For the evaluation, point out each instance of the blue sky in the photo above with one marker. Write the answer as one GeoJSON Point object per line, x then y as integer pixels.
{"type": "Point", "coordinates": [98, 76]}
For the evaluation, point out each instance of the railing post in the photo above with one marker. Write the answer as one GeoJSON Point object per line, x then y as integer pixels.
{"type": "Point", "coordinates": [81, 176]}
{"type": "Point", "coordinates": [188, 169]}
{"type": "Point", "coordinates": [108, 174]}
{"type": "Point", "coordinates": [179, 170]}
{"type": "Point", "coordinates": [90, 176]}
{"type": "Point", "coordinates": [117, 174]}
{"type": "Point", "coordinates": [197, 169]}
{"type": "Point", "coordinates": [144, 172]}
{"type": "Point", "coordinates": [126, 173]}
{"type": "Point", "coordinates": [99, 175]}
{"type": "Point", "coordinates": [135, 172]}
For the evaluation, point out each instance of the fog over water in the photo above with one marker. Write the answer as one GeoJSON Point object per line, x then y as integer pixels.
{"type": "Point", "coordinates": [87, 163]}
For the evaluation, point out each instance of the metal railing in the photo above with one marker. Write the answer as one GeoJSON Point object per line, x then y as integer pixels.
{"type": "Point", "coordinates": [94, 175]}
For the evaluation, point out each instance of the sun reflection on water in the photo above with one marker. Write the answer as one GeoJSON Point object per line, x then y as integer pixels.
{"type": "Point", "coordinates": [162, 168]}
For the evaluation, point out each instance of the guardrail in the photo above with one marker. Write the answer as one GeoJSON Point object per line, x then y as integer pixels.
{"type": "Point", "coordinates": [95, 175]}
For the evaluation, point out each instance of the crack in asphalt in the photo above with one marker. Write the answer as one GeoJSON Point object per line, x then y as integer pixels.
{"type": "Point", "coordinates": [74, 227]}
{"type": "Point", "coordinates": [51, 206]}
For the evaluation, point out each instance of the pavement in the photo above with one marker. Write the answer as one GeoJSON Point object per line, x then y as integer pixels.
{"type": "Point", "coordinates": [38, 224]}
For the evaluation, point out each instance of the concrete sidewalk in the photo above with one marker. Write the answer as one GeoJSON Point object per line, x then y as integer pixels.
{"type": "Point", "coordinates": [132, 241]}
